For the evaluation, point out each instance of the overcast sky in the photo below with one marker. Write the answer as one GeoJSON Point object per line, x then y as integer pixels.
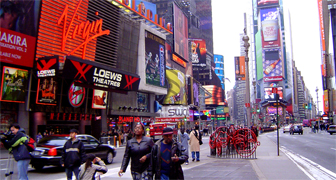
{"type": "Point", "coordinates": [228, 23]}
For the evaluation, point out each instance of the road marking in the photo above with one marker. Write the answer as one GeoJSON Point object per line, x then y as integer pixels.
{"type": "Point", "coordinates": [310, 168]}
{"type": "Point", "coordinates": [333, 149]}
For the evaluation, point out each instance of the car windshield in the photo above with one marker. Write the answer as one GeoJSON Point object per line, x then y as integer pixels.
{"type": "Point", "coordinates": [53, 141]}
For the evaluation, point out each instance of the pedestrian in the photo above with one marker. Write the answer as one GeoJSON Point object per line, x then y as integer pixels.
{"type": "Point", "coordinates": [39, 137]}
{"type": "Point", "coordinates": [16, 146]}
{"type": "Point", "coordinates": [183, 138]}
{"type": "Point", "coordinates": [138, 149]}
{"type": "Point", "coordinates": [167, 157]}
{"type": "Point", "coordinates": [87, 171]}
{"type": "Point", "coordinates": [73, 155]}
{"type": "Point", "coordinates": [194, 142]}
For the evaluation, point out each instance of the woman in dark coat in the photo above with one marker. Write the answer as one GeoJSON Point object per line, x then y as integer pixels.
{"type": "Point", "coordinates": [138, 149]}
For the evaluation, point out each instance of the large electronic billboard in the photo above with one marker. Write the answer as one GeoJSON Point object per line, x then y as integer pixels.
{"type": "Point", "coordinates": [180, 33]}
{"type": "Point", "coordinates": [240, 68]}
{"type": "Point", "coordinates": [272, 65]}
{"type": "Point", "coordinates": [270, 31]}
{"type": "Point", "coordinates": [198, 51]}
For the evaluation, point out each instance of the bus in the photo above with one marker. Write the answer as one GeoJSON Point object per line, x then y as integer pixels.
{"type": "Point", "coordinates": [156, 130]}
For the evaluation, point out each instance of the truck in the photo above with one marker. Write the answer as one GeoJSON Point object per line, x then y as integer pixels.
{"type": "Point", "coordinates": [306, 123]}
{"type": "Point", "coordinates": [156, 130]}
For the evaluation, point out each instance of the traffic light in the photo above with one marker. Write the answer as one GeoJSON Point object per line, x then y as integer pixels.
{"type": "Point", "coordinates": [185, 118]}
{"type": "Point", "coordinates": [306, 106]}
{"type": "Point", "coordinates": [258, 110]}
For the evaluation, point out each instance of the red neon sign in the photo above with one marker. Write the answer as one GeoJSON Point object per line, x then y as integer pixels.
{"type": "Point", "coordinates": [84, 29]}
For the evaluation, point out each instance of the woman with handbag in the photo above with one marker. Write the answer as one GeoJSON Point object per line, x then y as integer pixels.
{"type": "Point", "coordinates": [195, 142]}
{"type": "Point", "coordinates": [88, 170]}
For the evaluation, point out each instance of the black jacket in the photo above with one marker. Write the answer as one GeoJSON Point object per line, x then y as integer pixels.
{"type": "Point", "coordinates": [135, 151]}
{"type": "Point", "coordinates": [18, 147]}
{"type": "Point", "coordinates": [73, 154]}
{"type": "Point", "coordinates": [175, 167]}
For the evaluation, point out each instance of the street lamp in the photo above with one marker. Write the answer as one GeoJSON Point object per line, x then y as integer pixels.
{"type": "Point", "coordinates": [318, 112]}
{"type": "Point", "coordinates": [247, 79]}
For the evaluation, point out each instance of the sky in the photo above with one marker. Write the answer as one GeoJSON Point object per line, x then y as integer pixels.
{"type": "Point", "coordinates": [228, 23]}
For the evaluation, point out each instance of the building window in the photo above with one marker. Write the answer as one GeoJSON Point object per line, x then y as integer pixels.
{"type": "Point", "coordinates": [143, 100]}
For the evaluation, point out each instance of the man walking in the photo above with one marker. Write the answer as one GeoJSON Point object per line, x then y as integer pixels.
{"type": "Point", "coordinates": [195, 138]}
{"type": "Point", "coordinates": [167, 157]}
{"type": "Point", "coordinates": [183, 138]}
{"type": "Point", "coordinates": [73, 155]}
{"type": "Point", "coordinates": [17, 146]}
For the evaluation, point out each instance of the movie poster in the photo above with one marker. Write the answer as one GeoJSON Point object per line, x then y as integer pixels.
{"type": "Point", "coordinates": [46, 91]}
{"type": "Point", "coordinates": [14, 84]}
{"type": "Point", "coordinates": [99, 99]}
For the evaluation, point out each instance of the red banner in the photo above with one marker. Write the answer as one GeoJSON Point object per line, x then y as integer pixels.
{"type": "Point", "coordinates": [166, 119]}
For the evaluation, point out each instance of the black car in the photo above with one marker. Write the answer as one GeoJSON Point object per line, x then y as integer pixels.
{"type": "Point", "coordinates": [296, 129]}
{"type": "Point", "coordinates": [49, 150]}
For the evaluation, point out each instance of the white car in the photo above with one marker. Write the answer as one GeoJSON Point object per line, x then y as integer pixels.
{"type": "Point", "coordinates": [286, 128]}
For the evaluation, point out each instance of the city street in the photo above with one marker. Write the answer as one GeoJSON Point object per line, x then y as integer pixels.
{"type": "Point", "coordinates": [315, 152]}
{"type": "Point", "coordinates": [305, 160]}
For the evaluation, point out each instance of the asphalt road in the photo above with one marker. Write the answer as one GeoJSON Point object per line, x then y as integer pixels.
{"type": "Point", "coordinates": [317, 149]}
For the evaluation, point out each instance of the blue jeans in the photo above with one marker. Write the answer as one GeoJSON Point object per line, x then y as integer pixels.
{"type": "Point", "coordinates": [22, 166]}
{"type": "Point", "coordinates": [164, 177]}
{"type": "Point", "coordinates": [193, 155]}
{"type": "Point", "coordinates": [69, 170]}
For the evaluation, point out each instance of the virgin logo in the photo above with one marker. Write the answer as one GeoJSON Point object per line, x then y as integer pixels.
{"type": "Point", "coordinates": [84, 30]}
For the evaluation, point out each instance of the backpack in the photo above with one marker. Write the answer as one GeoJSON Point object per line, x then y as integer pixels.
{"type": "Point", "coordinates": [30, 144]}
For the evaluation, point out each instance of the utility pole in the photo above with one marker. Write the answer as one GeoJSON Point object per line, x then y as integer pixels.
{"type": "Point", "coordinates": [318, 111]}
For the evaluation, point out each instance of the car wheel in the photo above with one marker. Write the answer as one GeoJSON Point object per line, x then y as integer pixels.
{"type": "Point", "coordinates": [331, 133]}
{"type": "Point", "coordinates": [38, 167]}
{"type": "Point", "coordinates": [109, 158]}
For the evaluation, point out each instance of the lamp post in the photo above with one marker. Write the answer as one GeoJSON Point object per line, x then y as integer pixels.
{"type": "Point", "coordinates": [247, 78]}
{"type": "Point", "coordinates": [318, 111]}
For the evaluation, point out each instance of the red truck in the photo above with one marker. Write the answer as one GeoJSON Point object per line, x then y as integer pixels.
{"type": "Point", "coordinates": [156, 130]}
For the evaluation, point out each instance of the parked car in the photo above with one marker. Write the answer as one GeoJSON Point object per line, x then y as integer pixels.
{"type": "Point", "coordinates": [332, 129]}
{"type": "Point", "coordinates": [296, 129]}
{"type": "Point", "coordinates": [49, 150]}
{"type": "Point", "coordinates": [287, 128]}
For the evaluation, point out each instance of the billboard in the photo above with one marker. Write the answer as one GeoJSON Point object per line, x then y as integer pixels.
{"type": "Point", "coordinates": [169, 55]}
{"type": "Point", "coordinates": [217, 95]}
{"type": "Point", "coordinates": [240, 68]}
{"type": "Point", "coordinates": [259, 60]}
{"type": "Point", "coordinates": [89, 72]}
{"type": "Point", "coordinates": [14, 84]}
{"type": "Point", "coordinates": [270, 96]}
{"type": "Point", "coordinates": [18, 31]}
{"type": "Point", "coordinates": [272, 65]}
{"type": "Point", "coordinates": [176, 88]}
{"type": "Point", "coordinates": [198, 51]}
{"type": "Point", "coordinates": [155, 60]}
{"type": "Point", "coordinates": [99, 99]}
{"type": "Point", "coordinates": [267, 3]}
{"type": "Point", "coordinates": [47, 69]}
{"type": "Point", "coordinates": [180, 33]}
{"type": "Point", "coordinates": [146, 7]}
{"type": "Point", "coordinates": [270, 32]}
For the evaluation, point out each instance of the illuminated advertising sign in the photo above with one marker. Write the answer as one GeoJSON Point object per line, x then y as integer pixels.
{"type": "Point", "coordinates": [91, 72]}
{"type": "Point", "coordinates": [73, 30]}
{"type": "Point", "coordinates": [180, 33]}
{"type": "Point", "coordinates": [198, 51]}
{"type": "Point", "coordinates": [155, 60]}
{"type": "Point", "coordinates": [18, 31]}
{"type": "Point", "coordinates": [272, 65]}
{"type": "Point", "coordinates": [146, 7]}
{"type": "Point", "coordinates": [217, 95]}
{"type": "Point", "coordinates": [99, 99]}
{"type": "Point", "coordinates": [175, 111]}
{"type": "Point", "coordinates": [270, 32]}
{"type": "Point", "coordinates": [14, 84]}
{"type": "Point", "coordinates": [76, 95]}
{"type": "Point", "coordinates": [169, 55]}
{"type": "Point", "coordinates": [176, 88]}
{"type": "Point", "coordinates": [47, 67]}
{"type": "Point", "coordinates": [270, 96]}
{"type": "Point", "coordinates": [240, 68]}
{"type": "Point", "coordinates": [273, 110]}
{"type": "Point", "coordinates": [267, 3]}
{"type": "Point", "coordinates": [195, 93]}
{"type": "Point", "coordinates": [179, 61]}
